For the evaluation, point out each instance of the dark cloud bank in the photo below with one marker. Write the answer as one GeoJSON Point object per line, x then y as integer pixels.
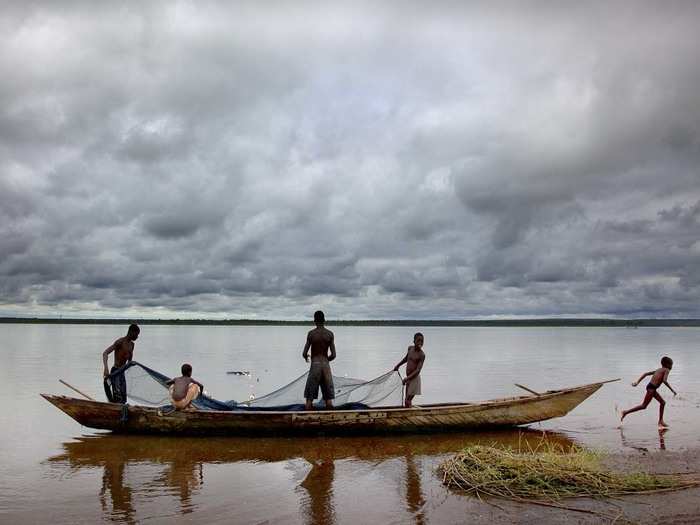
{"type": "Point", "coordinates": [403, 161]}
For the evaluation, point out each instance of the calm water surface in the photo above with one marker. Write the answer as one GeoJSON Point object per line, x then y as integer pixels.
{"type": "Point", "coordinates": [53, 470]}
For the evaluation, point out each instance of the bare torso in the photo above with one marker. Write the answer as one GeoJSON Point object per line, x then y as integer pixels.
{"type": "Point", "coordinates": [123, 351]}
{"type": "Point", "coordinates": [414, 358]}
{"type": "Point", "coordinates": [659, 376]}
{"type": "Point", "coordinates": [321, 341]}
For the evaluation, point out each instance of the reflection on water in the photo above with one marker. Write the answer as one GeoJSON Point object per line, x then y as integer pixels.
{"type": "Point", "coordinates": [414, 495]}
{"type": "Point", "coordinates": [318, 484]}
{"type": "Point", "coordinates": [119, 492]}
{"type": "Point", "coordinates": [165, 466]}
{"type": "Point", "coordinates": [130, 479]}
{"type": "Point", "coordinates": [640, 445]}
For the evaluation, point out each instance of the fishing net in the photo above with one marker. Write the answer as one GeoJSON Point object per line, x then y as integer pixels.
{"type": "Point", "coordinates": [385, 390]}
{"type": "Point", "coordinates": [146, 386]}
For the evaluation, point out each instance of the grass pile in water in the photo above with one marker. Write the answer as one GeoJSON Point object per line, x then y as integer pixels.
{"type": "Point", "coordinates": [548, 472]}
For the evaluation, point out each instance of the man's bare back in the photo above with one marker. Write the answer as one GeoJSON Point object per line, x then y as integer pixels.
{"type": "Point", "coordinates": [320, 340]}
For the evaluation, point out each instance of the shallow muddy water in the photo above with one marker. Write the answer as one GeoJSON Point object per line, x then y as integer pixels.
{"type": "Point", "coordinates": [51, 469]}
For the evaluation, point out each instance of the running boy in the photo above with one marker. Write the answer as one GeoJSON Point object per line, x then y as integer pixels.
{"type": "Point", "coordinates": [414, 359]}
{"type": "Point", "coordinates": [658, 376]}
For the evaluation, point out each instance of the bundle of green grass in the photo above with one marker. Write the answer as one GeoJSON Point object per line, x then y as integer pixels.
{"type": "Point", "coordinates": [547, 472]}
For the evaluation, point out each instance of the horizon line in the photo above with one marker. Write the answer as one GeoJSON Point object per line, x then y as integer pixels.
{"type": "Point", "coordinates": [543, 321]}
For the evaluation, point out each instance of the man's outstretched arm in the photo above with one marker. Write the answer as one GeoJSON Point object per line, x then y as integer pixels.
{"type": "Point", "coordinates": [405, 358]}
{"type": "Point", "coordinates": [642, 377]}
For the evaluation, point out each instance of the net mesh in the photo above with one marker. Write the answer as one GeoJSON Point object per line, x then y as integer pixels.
{"type": "Point", "coordinates": [146, 386]}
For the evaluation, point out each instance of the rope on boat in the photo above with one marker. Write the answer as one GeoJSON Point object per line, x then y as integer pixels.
{"type": "Point", "coordinates": [125, 414]}
{"type": "Point", "coordinates": [403, 390]}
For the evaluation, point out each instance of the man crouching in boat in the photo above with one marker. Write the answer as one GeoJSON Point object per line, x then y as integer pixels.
{"type": "Point", "coordinates": [320, 340]}
{"type": "Point", "coordinates": [184, 389]}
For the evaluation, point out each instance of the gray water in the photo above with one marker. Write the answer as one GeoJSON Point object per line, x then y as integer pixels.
{"type": "Point", "coordinates": [51, 469]}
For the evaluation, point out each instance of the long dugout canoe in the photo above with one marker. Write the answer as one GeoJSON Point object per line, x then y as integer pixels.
{"type": "Point", "coordinates": [505, 412]}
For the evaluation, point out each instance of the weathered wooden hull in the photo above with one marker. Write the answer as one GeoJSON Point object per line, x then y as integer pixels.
{"type": "Point", "coordinates": [505, 412]}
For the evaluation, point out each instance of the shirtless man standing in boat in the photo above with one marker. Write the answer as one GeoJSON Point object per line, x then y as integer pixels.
{"type": "Point", "coordinates": [414, 359]}
{"type": "Point", "coordinates": [123, 349]}
{"type": "Point", "coordinates": [320, 340]}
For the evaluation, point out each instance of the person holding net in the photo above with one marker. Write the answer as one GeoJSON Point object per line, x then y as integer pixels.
{"type": "Point", "coordinates": [414, 359]}
{"type": "Point", "coordinates": [320, 341]}
{"type": "Point", "coordinates": [123, 349]}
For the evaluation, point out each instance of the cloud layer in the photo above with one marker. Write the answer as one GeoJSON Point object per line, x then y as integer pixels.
{"type": "Point", "coordinates": [402, 161]}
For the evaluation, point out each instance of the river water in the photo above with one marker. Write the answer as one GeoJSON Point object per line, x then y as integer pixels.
{"type": "Point", "coordinates": [53, 470]}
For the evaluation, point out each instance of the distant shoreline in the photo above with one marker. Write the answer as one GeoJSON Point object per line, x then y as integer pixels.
{"type": "Point", "coordinates": [560, 322]}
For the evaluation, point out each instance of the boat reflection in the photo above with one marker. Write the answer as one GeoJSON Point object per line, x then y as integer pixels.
{"type": "Point", "coordinates": [176, 466]}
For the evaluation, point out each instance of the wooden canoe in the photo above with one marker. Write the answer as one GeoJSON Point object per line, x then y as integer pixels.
{"type": "Point", "coordinates": [505, 412]}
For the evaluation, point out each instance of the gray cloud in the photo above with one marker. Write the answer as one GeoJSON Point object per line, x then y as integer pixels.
{"type": "Point", "coordinates": [402, 160]}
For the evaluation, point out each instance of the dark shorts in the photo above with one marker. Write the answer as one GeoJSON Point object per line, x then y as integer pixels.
{"type": "Point", "coordinates": [319, 375]}
{"type": "Point", "coordinates": [118, 386]}
{"type": "Point", "coordinates": [652, 387]}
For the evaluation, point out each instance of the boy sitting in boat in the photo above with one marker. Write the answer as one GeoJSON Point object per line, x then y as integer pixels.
{"type": "Point", "coordinates": [658, 376]}
{"type": "Point", "coordinates": [184, 389]}
{"type": "Point", "coordinates": [414, 359]}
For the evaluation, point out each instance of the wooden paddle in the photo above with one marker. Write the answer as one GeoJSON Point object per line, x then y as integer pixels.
{"type": "Point", "coordinates": [76, 390]}
{"type": "Point", "coordinates": [539, 394]}
{"type": "Point", "coordinates": [528, 389]}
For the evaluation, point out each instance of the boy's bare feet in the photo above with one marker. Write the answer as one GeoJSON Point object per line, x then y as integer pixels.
{"type": "Point", "coordinates": [662, 424]}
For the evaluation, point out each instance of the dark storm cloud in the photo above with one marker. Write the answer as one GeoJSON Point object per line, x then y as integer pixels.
{"type": "Point", "coordinates": [393, 160]}
{"type": "Point", "coordinates": [176, 224]}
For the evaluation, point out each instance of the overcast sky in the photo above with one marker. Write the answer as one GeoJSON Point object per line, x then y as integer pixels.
{"type": "Point", "coordinates": [377, 160]}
